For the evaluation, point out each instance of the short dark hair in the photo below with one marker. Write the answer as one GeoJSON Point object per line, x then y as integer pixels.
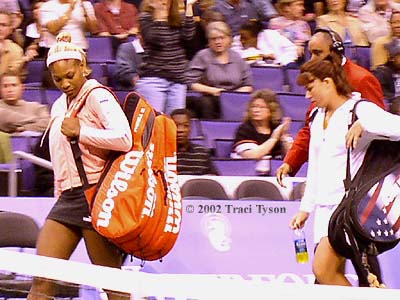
{"type": "Point", "coordinates": [182, 111]}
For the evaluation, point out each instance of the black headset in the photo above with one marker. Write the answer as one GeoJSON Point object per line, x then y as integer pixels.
{"type": "Point", "coordinates": [337, 45]}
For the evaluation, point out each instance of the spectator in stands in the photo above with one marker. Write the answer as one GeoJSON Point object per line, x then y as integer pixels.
{"type": "Point", "coordinates": [261, 47]}
{"type": "Point", "coordinates": [348, 27]}
{"type": "Point", "coordinates": [128, 60]}
{"type": "Point", "coordinates": [162, 75]}
{"type": "Point", "coordinates": [291, 24]}
{"type": "Point", "coordinates": [323, 43]}
{"type": "Point", "coordinates": [264, 131]}
{"type": "Point", "coordinates": [312, 10]}
{"type": "Point", "coordinates": [354, 6]}
{"type": "Point", "coordinates": [379, 54]}
{"type": "Point", "coordinates": [11, 55]}
{"type": "Point", "coordinates": [217, 69]}
{"type": "Point", "coordinates": [99, 127]}
{"type": "Point", "coordinates": [375, 16]}
{"type": "Point", "coordinates": [326, 84]}
{"type": "Point", "coordinates": [73, 16]}
{"type": "Point", "coordinates": [389, 73]}
{"type": "Point", "coordinates": [14, 9]}
{"type": "Point", "coordinates": [265, 10]}
{"type": "Point", "coordinates": [199, 40]}
{"type": "Point", "coordinates": [117, 18]}
{"type": "Point", "coordinates": [193, 159]}
{"type": "Point", "coordinates": [395, 106]}
{"type": "Point", "coordinates": [33, 45]}
{"type": "Point", "coordinates": [18, 115]}
{"type": "Point", "coordinates": [236, 12]}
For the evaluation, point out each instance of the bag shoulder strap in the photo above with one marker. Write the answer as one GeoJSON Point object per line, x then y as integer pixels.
{"type": "Point", "coordinates": [353, 119]}
{"type": "Point", "coordinates": [74, 143]}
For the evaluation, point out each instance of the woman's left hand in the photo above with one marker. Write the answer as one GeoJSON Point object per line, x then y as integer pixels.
{"type": "Point", "coordinates": [354, 134]}
{"type": "Point", "coordinates": [70, 127]}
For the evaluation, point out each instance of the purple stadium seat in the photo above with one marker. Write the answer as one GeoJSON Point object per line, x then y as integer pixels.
{"type": "Point", "coordinates": [218, 129]}
{"type": "Point", "coordinates": [235, 167]}
{"type": "Point", "coordinates": [35, 69]}
{"type": "Point", "coordinates": [195, 132]}
{"type": "Point", "coordinates": [233, 105]}
{"type": "Point", "coordinates": [294, 105]}
{"type": "Point", "coordinates": [223, 147]}
{"type": "Point", "coordinates": [292, 75]}
{"type": "Point", "coordinates": [121, 94]}
{"type": "Point", "coordinates": [51, 95]}
{"type": "Point", "coordinates": [33, 95]}
{"type": "Point", "coordinates": [26, 144]}
{"type": "Point", "coordinates": [100, 49]}
{"type": "Point", "coordinates": [98, 72]}
{"type": "Point", "coordinates": [361, 55]}
{"type": "Point", "coordinates": [276, 163]}
{"type": "Point", "coordinates": [268, 77]}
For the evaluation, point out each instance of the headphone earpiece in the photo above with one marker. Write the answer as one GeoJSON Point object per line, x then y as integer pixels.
{"type": "Point", "coordinates": [337, 45]}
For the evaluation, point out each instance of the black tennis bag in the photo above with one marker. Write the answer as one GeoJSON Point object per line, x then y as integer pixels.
{"type": "Point", "coordinates": [366, 223]}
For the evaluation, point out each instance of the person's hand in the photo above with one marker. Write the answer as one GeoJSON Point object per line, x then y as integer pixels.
{"type": "Point", "coordinates": [282, 128]}
{"type": "Point", "coordinates": [299, 220]}
{"type": "Point", "coordinates": [283, 172]}
{"type": "Point", "coordinates": [216, 91]}
{"type": "Point", "coordinates": [191, 2]}
{"type": "Point", "coordinates": [300, 50]}
{"type": "Point", "coordinates": [269, 56]}
{"type": "Point", "coordinates": [70, 127]}
{"type": "Point", "coordinates": [30, 54]}
{"type": "Point", "coordinates": [354, 134]}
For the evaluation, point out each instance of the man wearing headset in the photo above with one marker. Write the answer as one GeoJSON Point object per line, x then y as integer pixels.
{"type": "Point", "coordinates": [324, 42]}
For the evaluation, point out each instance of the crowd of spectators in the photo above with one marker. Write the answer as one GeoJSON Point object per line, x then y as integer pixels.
{"type": "Point", "coordinates": [164, 48]}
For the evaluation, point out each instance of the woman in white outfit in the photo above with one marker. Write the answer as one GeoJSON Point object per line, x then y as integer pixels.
{"type": "Point", "coordinates": [326, 84]}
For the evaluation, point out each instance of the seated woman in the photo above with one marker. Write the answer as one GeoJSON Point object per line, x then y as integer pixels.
{"type": "Point", "coordinates": [263, 132]}
{"type": "Point", "coordinates": [216, 69]}
{"type": "Point", "coordinates": [262, 47]}
{"type": "Point", "coordinates": [290, 23]}
{"type": "Point", "coordinates": [348, 27]}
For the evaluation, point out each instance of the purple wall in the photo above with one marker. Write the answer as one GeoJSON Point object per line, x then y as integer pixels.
{"type": "Point", "coordinates": [238, 241]}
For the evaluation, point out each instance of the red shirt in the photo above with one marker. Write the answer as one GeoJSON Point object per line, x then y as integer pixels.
{"type": "Point", "coordinates": [364, 82]}
{"type": "Point", "coordinates": [127, 18]}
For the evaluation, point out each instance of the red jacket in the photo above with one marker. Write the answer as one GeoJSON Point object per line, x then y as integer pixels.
{"type": "Point", "coordinates": [364, 82]}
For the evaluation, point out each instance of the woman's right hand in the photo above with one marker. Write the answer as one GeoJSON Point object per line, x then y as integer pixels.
{"type": "Point", "coordinates": [282, 128]}
{"type": "Point", "coordinates": [216, 91]}
{"type": "Point", "coordinates": [299, 220]}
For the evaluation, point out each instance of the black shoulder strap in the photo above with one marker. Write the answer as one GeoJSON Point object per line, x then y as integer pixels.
{"type": "Point", "coordinates": [347, 180]}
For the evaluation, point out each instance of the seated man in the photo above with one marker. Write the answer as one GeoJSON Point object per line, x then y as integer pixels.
{"type": "Point", "coordinates": [18, 115]}
{"type": "Point", "coordinates": [193, 159]}
{"type": "Point", "coordinates": [10, 53]}
{"type": "Point", "coordinates": [128, 60]}
{"type": "Point", "coordinates": [389, 73]}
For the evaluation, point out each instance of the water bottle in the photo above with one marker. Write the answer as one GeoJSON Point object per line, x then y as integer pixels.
{"type": "Point", "coordinates": [300, 246]}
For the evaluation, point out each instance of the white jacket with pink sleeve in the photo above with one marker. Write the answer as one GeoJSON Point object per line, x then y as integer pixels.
{"type": "Point", "coordinates": [104, 127]}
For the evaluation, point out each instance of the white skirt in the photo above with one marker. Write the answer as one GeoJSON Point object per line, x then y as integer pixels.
{"type": "Point", "coordinates": [321, 221]}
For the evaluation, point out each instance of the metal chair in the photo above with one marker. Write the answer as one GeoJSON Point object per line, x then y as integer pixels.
{"type": "Point", "coordinates": [258, 189]}
{"type": "Point", "coordinates": [21, 231]}
{"type": "Point", "coordinates": [203, 188]}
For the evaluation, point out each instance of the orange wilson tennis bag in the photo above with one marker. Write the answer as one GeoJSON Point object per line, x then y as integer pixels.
{"type": "Point", "coordinates": [137, 201]}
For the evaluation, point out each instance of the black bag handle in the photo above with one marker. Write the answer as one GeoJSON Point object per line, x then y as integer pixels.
{"type": "Point", "coordinates": [347, 180]}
